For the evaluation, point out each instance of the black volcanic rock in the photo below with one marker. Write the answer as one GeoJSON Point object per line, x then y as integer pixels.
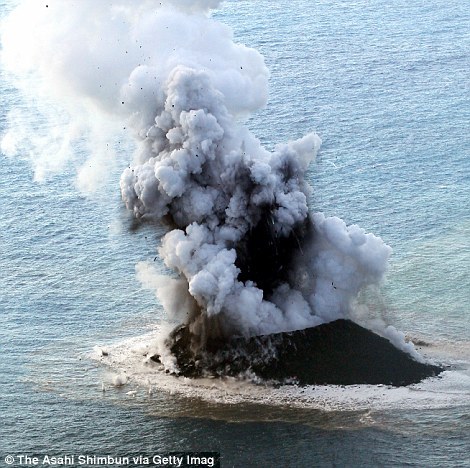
{"type": "Point", "coordinates": [339, 352]}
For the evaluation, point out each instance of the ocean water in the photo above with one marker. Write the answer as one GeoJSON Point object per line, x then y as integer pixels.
{"type": "Point", "coordinates": [386, 86]}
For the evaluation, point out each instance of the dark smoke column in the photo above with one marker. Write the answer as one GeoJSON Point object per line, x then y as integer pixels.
{"type": "Point", "coordinates": [250, 258]}
{"type": "Point", "coordinates": [241, 212]}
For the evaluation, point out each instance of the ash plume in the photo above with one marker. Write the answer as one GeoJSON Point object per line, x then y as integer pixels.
{"type": "Point", "coordinates": [249, 257]}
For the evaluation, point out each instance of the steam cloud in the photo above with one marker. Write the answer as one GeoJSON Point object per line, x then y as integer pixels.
{"type": "Point", "coordinates": [250, 258]}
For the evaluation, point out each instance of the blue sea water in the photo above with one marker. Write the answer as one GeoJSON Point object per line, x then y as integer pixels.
{"type": "Point", "coordinates": [386, 86]}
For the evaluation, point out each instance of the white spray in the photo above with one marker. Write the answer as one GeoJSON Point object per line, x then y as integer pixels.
{"type": "Point", "coordinates": [181, 83]}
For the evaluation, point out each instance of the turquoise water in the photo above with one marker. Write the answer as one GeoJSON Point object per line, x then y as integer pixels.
{"type": "Point", "coordinates": [386, 86]}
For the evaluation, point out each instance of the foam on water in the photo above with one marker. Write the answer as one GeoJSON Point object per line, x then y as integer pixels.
{"type": "Point", "coordinates": [130, 357]}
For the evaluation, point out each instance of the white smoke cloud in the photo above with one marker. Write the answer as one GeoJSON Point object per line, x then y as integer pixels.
{"type": "Point", "coordinates": [99, 64]}
{"type": "Point", "coordinates": [183, 87]}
